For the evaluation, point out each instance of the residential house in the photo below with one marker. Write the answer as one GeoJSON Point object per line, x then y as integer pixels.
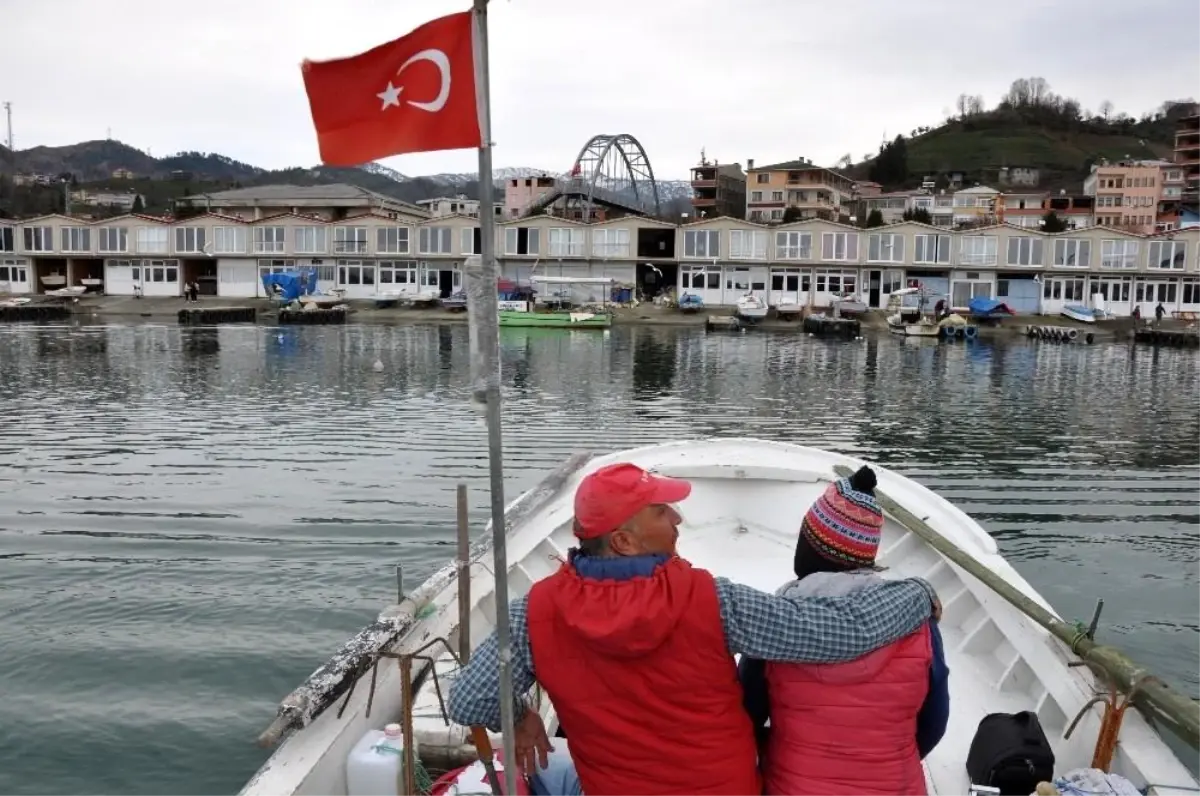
{"type": "Point", "coordinates": [457, 206]}
{"type": "Point", "coordinates": [1021, 208]}
{"type": "Point", "coordinates": [892, 206]}
{"type": "Point", "coordinates": [975, 206]}
{"type": "Point", "coordinates": [815, 192]}
{"type": "Point", "coordinates": [1076, 211]}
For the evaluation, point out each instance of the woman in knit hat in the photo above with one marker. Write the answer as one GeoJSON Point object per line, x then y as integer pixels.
{"type": "Point", "coordinates": [861, 727]}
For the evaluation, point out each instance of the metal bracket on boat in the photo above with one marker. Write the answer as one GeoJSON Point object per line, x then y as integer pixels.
{"type": "Point", "coordinates": [405, 661]}
{"type": "Point", "coordinates": [1114, 712]}
{"type": "Point", "coordinates": [1091, 628]}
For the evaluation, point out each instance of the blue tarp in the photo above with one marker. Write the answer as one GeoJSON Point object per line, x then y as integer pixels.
{"type": "Point", "coordinates": [986, 306]}
{"type": "Point", "coordinates": [292, 284]}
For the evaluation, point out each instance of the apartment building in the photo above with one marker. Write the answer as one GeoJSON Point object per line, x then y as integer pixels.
{"type": "Point", "coordinates": [718, 189]}
{"type": "Point", "coordinates": [975, 205]}
{"type": "Point", "coordinates": [813, 191]}
{"type": "Point", "coordinates": [1187, 159]}
{"type": "Point", "coordinates": [457, 206]}
{"type": "Point", "coordinates": [1127, 194]}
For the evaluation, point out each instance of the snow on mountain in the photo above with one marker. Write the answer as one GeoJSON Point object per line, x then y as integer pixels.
{"type": "Point", "coordinates": [667, 189]}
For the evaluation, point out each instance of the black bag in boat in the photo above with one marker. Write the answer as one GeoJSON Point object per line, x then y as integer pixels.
{"type": "Point", "coordinates": [1010, 752]}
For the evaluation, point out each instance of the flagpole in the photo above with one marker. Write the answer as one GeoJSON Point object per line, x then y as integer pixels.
{"type": "Point", "coordinates": [485, 359]}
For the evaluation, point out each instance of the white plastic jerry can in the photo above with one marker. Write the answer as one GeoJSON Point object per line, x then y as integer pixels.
{"type": "Point", "coordinates": [376, 763]}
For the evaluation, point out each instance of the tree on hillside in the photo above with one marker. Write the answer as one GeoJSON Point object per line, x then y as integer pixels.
{"type": "Point", "coordinates": [890, 167]}
{"type": "Point", "coordinates": [918, 214]}
{"type": "Point", "coordinates": [1052, 223]}
{"type": "Point", "coordinates": [874, 219]}
{"type": "Point", "coordinates": [138, 205]}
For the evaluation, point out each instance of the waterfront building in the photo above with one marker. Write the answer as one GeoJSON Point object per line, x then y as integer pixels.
{"type": "Point", "coordinates": [381, 247]}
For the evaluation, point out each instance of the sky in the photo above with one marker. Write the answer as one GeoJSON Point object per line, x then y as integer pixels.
{"type": "Point", "coordinates": [771, 80]}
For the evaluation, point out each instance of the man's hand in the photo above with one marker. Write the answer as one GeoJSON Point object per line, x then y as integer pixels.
{"type": "Point", "coordinates": [531, 742]}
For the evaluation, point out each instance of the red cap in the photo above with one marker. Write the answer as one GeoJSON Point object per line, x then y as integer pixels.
{"type": "Point", "coordinates": [610, 496]}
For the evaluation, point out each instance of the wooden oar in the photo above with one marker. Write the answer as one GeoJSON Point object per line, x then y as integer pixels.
{"type": "Point", "coordinates": [1157, 700]}
{"type": "Point", "coordinates": [483, 745]}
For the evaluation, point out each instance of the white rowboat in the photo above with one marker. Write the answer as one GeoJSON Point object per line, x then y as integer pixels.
{"type": "Point", "coordinates": [741, 522]}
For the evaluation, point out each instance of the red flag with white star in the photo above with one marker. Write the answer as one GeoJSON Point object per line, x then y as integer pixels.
{"type": "Point", "coordinates": [414, 94]}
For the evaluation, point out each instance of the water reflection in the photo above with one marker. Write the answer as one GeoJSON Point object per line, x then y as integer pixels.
{"type": "Point", "coordinates": [193, 518]}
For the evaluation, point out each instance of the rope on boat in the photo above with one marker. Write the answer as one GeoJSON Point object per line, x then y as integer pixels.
{"type": "Point", "coordinates": [1157, 701]}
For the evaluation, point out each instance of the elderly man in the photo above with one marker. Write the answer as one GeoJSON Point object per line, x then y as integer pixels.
{"type": "Point", "coordinates": [634, 646]}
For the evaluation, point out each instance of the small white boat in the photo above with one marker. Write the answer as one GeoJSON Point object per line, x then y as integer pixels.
{"type": "Point", "coordinates": [751, 308]}
{"type": "Point", "coordinates": [741, 522]}
{"type": "Point", "coordinates": [54, 280]}
{"type": "Point", "coordinates": [788, 309]}
{"type": "Point", "coordinates": [1078, 312]}
{"type": "Point", "coordinates": [848, 307]}
{"type": "Point", "coordinates": [67, 292]}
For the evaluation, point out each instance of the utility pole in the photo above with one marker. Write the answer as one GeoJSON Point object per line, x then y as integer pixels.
{"type": "Point", "coordinates": [8, 113]}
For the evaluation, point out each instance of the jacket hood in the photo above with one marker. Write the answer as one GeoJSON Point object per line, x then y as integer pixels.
{"type": "Point", "coordinates": [842, 584]}
{"type": "Point", "coordinates": [624, 607]}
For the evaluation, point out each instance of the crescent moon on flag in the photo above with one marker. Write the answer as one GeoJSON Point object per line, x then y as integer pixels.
{"type": "Point", "coordinates": [438, 59]}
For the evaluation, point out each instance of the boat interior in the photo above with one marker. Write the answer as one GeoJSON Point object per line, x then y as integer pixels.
{"type": "Point", "coordinates": [741, 523]}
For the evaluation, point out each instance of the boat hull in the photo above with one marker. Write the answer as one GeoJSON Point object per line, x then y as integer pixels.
{"type": "Point", "coordinates": [1000, 660]}
{"type": "Point", "coordinates": [1082, 314]}
{"type": "Point", "coordinates": [555, 320]}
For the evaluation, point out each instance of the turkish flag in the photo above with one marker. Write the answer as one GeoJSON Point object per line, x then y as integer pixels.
{"type": "Point", "coordinates": [414, 94]}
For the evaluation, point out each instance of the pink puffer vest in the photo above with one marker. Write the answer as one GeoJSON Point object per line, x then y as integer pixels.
{"type": "Point", "coordinates": [849, 728]}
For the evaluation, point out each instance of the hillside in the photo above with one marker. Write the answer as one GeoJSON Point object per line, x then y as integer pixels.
{"type": "Point", "coordinates": [1030, 127]}
{"type": "Point", "coordinates": [92, 164]}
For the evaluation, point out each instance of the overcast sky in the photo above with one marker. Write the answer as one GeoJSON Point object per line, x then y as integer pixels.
{"type": "Point", "coordinates": [765, 79]}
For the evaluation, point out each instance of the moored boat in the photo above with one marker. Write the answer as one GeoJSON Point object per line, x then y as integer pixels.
{"type": "Point", "coordinates": [1078, 312]}
{"type": "Point", "coordinates": [556, 320]}
{"type": "Point", "coordinates": [751, 308]}
{"type": "Point", "coordinates": [1006, 649]}
{"type": "Point", "coordinates": [690, 302]}
{"type": "Point", "coordinates": [848, 306]}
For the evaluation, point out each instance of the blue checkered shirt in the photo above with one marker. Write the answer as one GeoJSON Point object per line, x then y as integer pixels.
{"type": "Point", "coordinates": [756, 624]}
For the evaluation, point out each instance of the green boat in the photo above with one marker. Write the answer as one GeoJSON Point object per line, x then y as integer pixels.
{"type": "Point", "coordinates": [556, 320]}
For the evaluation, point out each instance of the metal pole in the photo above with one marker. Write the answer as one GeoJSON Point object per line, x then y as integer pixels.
{"type": "Point", "coordinates": [464, 578]}
{"type": "Point", "coordinates": [486, 322]}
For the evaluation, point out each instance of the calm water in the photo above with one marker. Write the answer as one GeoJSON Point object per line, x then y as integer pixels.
{"type": "Point", "coordinates": [192, 520]}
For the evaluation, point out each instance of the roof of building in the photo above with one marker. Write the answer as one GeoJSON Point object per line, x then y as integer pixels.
{"type": "Point", "coordinates": [798, 165]}
{"type": "Point", "coordinates": [337, 192]}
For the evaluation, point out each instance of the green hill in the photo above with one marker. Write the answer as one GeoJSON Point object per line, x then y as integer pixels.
{"type": "Point", "coordinates": [1037, 130]}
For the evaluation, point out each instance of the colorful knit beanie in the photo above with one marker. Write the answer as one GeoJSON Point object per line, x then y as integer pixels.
{"type": "Point", "coordinates": [841, 529]}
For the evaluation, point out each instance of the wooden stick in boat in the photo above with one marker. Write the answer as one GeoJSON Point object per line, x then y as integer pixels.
{"type": "Point", "coordinates": [336, 676]}
{"type": "Point", "coordinates": [1157, 700]}
{"type": "Point", "coordinates": [483, 745]}
{"type": "Point", "coordinates": [464, 578]}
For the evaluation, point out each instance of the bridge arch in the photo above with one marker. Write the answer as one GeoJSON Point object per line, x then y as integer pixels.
{"type": "Point", "coordinates": [615, 171]}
